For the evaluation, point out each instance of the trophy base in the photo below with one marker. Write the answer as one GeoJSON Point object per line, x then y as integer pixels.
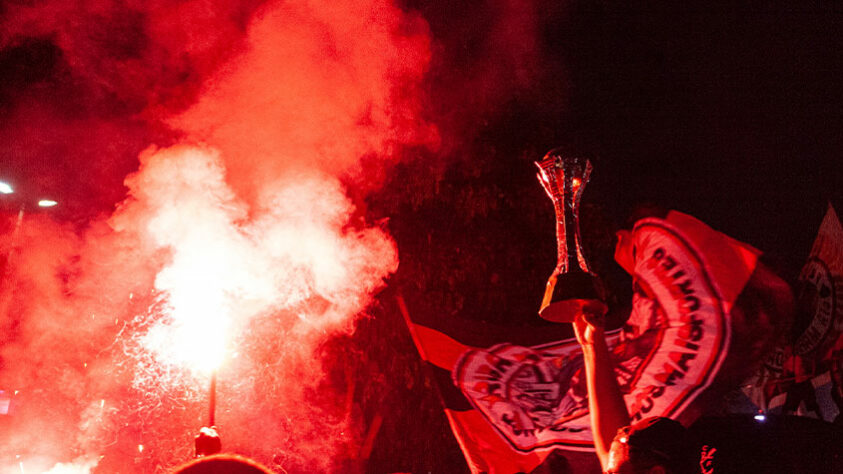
{"type": "Point", "coordinates": [567, 311]}
{"type": "Point", "coordinates": [570, 294]}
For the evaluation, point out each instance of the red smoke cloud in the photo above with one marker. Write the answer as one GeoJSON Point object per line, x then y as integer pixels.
{"type": "Point", "coordinates": [86, 85]}
{"type": "Point", "coordinates": [487, 54]}
{"type": "Point", "coordinates": [142, 54]}
{"type": "Point", "coordinates": [238, 242]}
{"type": "Point", "coordinates": [326, 83]}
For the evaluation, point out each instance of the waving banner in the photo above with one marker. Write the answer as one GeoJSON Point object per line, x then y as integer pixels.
{"type": "Point", "coordinates": [515, 394]}
{"type": "Point", "coordinates": [820, 320]}
{"type": "Point", "coordinates": [805, 374]}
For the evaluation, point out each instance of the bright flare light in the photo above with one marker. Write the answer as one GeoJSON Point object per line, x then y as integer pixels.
{"type": "Point", "coordinates": [201, 283]}
{"type": "Point", "coordinates": [46, 203]}
{"type": "Point", "coordinates": [194, 339]}
{"type": "Point", "coordinates": [5, 188]}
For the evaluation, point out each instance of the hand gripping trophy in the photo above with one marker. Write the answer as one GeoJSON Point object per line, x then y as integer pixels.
{"type": "Point", "coordinates": [573, 287]}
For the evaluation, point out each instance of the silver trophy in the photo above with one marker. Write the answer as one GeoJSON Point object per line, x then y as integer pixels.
{"type": "Point", "coordinates": [573, 287]}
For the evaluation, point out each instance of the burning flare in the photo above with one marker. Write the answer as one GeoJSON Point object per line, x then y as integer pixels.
{"type": "Point", "coordinates": [238, 250]}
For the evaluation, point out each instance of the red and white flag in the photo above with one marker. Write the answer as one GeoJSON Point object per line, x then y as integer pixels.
{"type": "Point", "coordinates": [515, 394]}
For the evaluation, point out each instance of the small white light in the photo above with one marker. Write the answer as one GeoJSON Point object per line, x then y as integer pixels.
{"type": "Point", "coordinates": [6, 188]}
{"type": "Point", "coordinates": [759, 417]}
{"type": "Point", "coordinates": [47, 203]}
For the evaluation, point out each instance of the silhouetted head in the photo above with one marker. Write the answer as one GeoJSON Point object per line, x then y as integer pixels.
{"type": "Point", "coordinates": [222, 464]}
{"type": "Point", "coordinates": [653, 445]}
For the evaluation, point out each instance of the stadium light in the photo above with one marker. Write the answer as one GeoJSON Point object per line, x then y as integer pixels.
{"type": "Point", "coordinates": [6, 188]}
{"type": "Point", "coordinates": [46, 203]}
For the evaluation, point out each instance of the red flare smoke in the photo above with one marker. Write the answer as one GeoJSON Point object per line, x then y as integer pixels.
{"type": "Point", "coordinates": [237, 248]}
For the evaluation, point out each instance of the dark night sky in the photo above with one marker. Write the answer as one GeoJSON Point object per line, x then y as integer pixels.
{"type": "Point", "coordinates": [733, 114]}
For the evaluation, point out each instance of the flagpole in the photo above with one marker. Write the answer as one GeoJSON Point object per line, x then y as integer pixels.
{"type": "Point", "coordinates": [212, 399]}
{"type": "Point", "coordinates": [207, 442]}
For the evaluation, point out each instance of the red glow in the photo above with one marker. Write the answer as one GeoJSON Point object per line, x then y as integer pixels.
{"type": "Point", "coordinates": [309, 96]}
{"type": "Point", "coordinates": [235, 249]}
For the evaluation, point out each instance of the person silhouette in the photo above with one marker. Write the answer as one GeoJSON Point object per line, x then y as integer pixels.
{"type": "Point", "coordinates": [222, 464]}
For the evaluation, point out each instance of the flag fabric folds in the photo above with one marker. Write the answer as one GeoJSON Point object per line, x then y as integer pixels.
{"type": "Point", "coordinates": [514, 394]}
{"type": "Point", "coordinates": [820, 320]}
{"type": "Point", "coordinates": [804, 375]}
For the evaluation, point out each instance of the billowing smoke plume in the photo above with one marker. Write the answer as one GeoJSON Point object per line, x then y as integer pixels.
{"type": "Point", "coordinates": [328, 84]}
{"type": "Point", "coordinates": [237, 248]}
{"type": "Point", "coordinates": [85, 85]}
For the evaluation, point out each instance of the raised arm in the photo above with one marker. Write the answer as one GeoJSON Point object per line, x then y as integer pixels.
{"type": "Point", "coordinates": [606, 406]}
